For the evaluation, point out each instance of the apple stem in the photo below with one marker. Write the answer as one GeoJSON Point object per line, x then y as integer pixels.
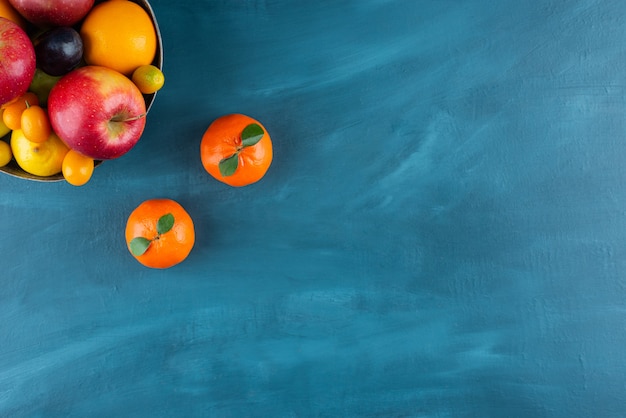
{"type": "Point", "coordinates": [119, 119]}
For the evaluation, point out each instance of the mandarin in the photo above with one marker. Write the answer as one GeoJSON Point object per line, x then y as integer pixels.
{"type": "Point", "coordinates": [236, 150]}
{"type": "Point", "coordinates": [159, 233]}
{"type": "Point", "coordinates": [118, 34]}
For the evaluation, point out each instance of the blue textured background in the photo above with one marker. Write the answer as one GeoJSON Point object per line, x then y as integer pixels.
{"type": "Point", "coordinates": [441, 234]}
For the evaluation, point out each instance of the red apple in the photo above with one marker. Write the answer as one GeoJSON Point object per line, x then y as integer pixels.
{"type": "Point", "coordinates": [97, 111]}
{"type": "Point", "coordinates": [53, 12]}
{"type": "Point", "coordinates": [17, 61]}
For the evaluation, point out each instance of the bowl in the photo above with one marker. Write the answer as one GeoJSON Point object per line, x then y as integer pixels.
{"type": "Point", "coordinates": [12, 169]}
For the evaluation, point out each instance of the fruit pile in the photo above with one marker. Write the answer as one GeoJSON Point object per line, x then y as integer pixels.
{"type": "Point", "coordinates": [77, 78]}
{"type": "Point", "coordinates": [76, 82]}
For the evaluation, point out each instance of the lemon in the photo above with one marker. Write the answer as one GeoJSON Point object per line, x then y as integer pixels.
{"type": "Point", "coordinates": [5, 153]}
{"type": "Point", "coordinates": [148, 78]}
{"type": "Point", "coordinates": [41, 159]}
{"type": "Point", "coordinates": [3, 128]}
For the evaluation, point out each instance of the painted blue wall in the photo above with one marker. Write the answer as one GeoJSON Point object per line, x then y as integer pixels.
{"type": "Point", "coordinates": [441, 233]}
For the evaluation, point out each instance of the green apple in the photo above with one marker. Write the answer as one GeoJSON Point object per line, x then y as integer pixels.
{"type": "Point", "coordinates": [42, 84]}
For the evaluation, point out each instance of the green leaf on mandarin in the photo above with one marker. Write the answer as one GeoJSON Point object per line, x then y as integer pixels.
{"type": "Point", "coordinates": [251, 134]}
{"type": "Point", "coordinates": [229, 165]}
{"type": "Point", "coordinates": [139, 245]}
{"type": "Point", "coordinates": [165, 223]}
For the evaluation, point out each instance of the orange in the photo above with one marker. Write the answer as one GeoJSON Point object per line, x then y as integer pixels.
{"type": "Point", "coordinates": [118, 34]}
{"type": "Point", "coordinates": [159, 233]}
{"type": "Point", "coordinates": [236, 149]}
{"type": "Point", "coordinates": [7, 10]}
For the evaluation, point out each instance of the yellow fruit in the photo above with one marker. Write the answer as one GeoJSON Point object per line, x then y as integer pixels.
{"type": "Point", "coordinates": [120, 35]}
{"type": "Point", "coordinates": [4, 129]}
{"type": "Point", "coordinates": [5, 153]}
{"type": "Point", "coordinates": [148, 78]}
{"type": "Point", "coordinates": [41, 159]}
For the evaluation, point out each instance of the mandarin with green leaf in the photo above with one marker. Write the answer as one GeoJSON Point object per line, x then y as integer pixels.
{"type": "Point", "coordinates": [160, 233]}
{"type": "Point", "coordinates": [236, 150]}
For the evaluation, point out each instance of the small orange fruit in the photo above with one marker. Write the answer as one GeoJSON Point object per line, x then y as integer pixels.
{"type": "Point", "coordinates": [236, 149]}
{"type": "Point", "coordinates": [119, 35]}
{"type": "Point", "coordinates": [12, 114]}
{"type": "Point", "coordinates": [77, 168]}
{"type": "Point", "coordinates": [35, 124]}
{"type": "Point", "coordinates": [148, 78]}
{"type": "Point", "coordinates": [160, 233]}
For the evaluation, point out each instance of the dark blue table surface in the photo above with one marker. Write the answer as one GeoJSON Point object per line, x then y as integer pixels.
{"type": "Point", "coordinates": [441, 233]}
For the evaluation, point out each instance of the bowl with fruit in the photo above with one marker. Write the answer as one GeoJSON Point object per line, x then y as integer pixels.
{"type": "Point", "coordinates": [77, 80]}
